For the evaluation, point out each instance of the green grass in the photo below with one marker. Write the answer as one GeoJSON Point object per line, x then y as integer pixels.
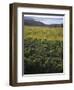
{"type": "Point", "coordinates": [43, 50]}
{"type": "Point", "coordinates": [41, 32]}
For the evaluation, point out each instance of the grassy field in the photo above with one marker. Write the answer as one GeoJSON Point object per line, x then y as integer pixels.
{"type": "Point", "coordinates": [40, 32]}
{"type": "Point", "coordinates": [43, 49]}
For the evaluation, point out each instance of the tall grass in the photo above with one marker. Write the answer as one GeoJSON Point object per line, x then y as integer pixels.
{"type": "Point", "coordinates": [43, 49]}
{"type": "Point", "coordinates": [40, 32]}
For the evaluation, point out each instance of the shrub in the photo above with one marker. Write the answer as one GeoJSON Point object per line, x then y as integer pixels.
{"type": "Point", "coordinates": [43, 56]}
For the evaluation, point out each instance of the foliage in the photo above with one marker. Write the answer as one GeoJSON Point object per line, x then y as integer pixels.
{"type": "Point", "coordinates": [43, 32]}
{"type": "Point", "coordinates": [42, 55]}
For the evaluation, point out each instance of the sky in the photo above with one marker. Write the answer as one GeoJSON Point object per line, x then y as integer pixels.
{"type": "Point", "coordinates": [46, 20]}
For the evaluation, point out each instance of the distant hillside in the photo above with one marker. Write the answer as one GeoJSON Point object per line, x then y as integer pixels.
{"type": "Point", "coordinates": [55, 25]}
{"type": "Point", "coordinates": [32, 22]}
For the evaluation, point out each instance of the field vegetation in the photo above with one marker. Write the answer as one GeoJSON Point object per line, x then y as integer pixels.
{"type": "Point", "coordinates": [43, 49]}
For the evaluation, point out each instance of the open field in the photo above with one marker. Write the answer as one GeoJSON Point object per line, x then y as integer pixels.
{"type": "Point", "coordinates": [41, 32]}
{"type": "Point", "coordinates": [43, 50]}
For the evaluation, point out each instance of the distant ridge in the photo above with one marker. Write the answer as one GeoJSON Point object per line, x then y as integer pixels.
{"type": "Point", "coordinates": [32, 22]}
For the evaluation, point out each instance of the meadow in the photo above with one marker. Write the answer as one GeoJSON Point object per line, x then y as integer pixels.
{"type": "Point", "coordinates": [43, 32]}
{"type": "Point", "coordinates": [43, 49]}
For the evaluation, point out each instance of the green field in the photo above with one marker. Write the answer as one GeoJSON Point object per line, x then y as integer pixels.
{"type": "Point", "coordinates": [40, 32]}
{"type": "Point", "coordinates": [43, 49]}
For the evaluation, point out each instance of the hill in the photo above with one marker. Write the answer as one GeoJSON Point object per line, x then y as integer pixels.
{"type": "Point", "coordinates": [30, 21]}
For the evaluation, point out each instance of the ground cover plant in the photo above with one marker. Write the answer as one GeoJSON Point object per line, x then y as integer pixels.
{"type": "Point", "coordinates": [43, 49]}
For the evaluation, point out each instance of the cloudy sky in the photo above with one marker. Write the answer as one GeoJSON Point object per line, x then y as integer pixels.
{"type": "Point", "coordinates": [47, 20]}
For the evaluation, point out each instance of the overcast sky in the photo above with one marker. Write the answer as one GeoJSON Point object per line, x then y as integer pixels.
{"type": "Point", "coordinates": [53, 20]}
